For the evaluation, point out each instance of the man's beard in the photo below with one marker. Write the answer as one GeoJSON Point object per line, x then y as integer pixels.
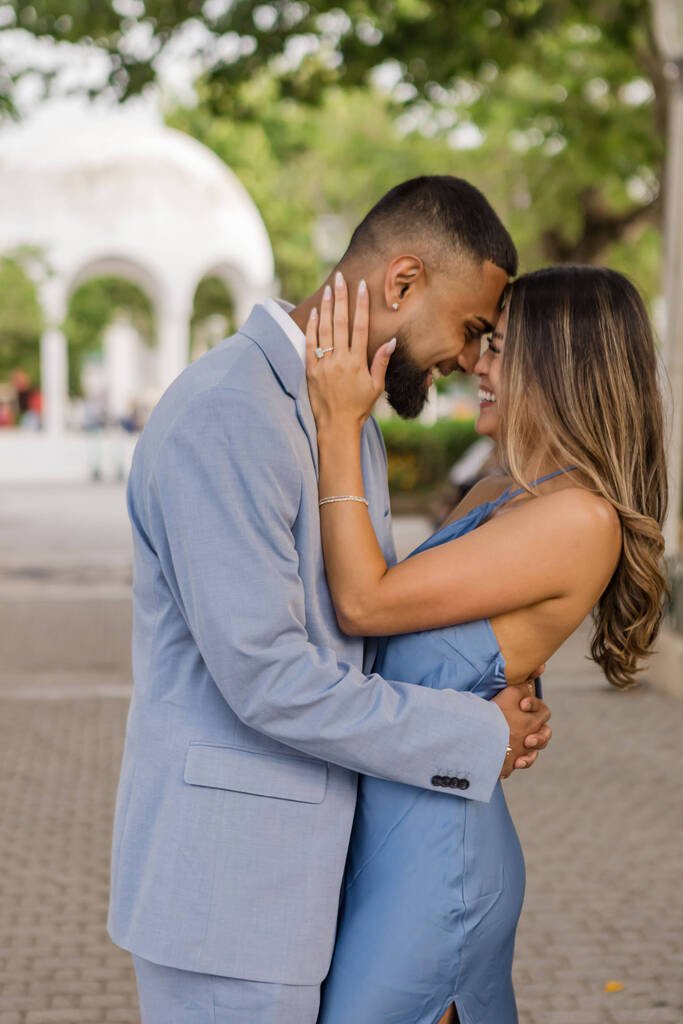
{"type": "Point", "coordinates": [406, 384]}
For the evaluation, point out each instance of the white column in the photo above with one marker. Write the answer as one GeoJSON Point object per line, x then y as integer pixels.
{"type": "Point", "coordinates": [54, 379]}
{"type": "Point", "coordinates": [121, 344]}
{"type": "Point", "coordinates": [673, 347]}
{"type": "Point", "coordinates": [173, 333]}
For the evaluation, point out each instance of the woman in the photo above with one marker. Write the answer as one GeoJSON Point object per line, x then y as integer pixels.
{"type": "Point", "coordinates": [568, 388]}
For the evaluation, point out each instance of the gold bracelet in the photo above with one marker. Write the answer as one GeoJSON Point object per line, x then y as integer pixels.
{"type": "Point", "coordinates": [342, 497]}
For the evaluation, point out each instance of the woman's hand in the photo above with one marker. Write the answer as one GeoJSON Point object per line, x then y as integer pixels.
{"type": "Point", "coordinates": [342, 389]}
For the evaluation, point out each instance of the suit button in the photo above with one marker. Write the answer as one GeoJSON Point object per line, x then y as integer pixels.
{"type": "Point", "coordinates": [437, 780]}
{"type": "Point", "coordinates": [463, 784]}
{"type": "Point", "coordinates": [454, 783]}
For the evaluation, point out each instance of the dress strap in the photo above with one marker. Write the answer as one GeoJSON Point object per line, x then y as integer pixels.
{"type": "Point", "coordinates": [508, 495]}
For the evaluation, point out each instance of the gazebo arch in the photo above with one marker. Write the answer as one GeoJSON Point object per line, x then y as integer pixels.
{"type": "Point", "coordinates": [97, 190]}
{"type": "Point", "coordinates": [233, 278]}
{"type": "Point", "coordinates": [114, 265]}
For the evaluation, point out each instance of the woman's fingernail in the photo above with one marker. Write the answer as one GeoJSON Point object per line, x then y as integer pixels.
{"type": "Point", "coordinates": [327, 293]}
{"type": "Point", "coordinates": [391, 345]}
{"type": "Point", "coordinates": [362, 287]}
{"type": "Point", "coordinates": [339, 279]}
{"type": "Point", "coordinates": [314, 314]}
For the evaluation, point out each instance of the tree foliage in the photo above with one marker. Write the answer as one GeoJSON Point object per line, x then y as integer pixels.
{"type": "Point", "coordinates": [313, 173]}
{"type": "Point", "coordinates": [568, 94]}
{"type": "Point", "coordinates": [20, 322]}
{"type": "Point", "coordinates": [555, 108]}
{"type": "Point", "coordinates": [309, 45]}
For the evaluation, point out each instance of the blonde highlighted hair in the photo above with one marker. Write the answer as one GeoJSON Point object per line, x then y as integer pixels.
{"type": "Point", "coordinates": [580, 385]}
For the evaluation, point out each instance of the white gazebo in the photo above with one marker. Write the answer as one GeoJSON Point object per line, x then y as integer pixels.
{"type": "Point", "coordinates": [90, 190]}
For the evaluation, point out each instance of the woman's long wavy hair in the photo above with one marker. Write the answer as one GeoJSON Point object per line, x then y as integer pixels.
{"type": "Point", "coordinates": [580, 387]}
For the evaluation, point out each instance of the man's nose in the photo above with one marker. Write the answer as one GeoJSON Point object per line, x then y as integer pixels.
{"type": "Point", "coordinates": [469, 357]}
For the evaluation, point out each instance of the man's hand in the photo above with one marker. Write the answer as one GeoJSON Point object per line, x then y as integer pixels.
{"type": "Point", "coordinates": [527, 718]}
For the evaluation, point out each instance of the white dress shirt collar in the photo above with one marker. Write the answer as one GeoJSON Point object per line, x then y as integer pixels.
{"type": "Point", "coordinates": [279, 311]}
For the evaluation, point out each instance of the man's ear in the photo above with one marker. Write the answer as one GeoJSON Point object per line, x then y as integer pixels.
{"type": "Point", "coordinates": [403, 274]}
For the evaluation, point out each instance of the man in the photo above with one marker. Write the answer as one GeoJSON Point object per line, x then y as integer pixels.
{"type": "Point", "coordinates": [251, 712]}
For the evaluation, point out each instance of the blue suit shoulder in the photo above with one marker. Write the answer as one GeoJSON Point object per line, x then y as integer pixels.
{"type": "Point", "coordinates": [233, 378]}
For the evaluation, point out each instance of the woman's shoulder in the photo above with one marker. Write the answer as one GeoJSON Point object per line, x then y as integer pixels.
{"type": "Point", "coordinates": [583, 524]}
{"type": "Point", "coordinates": [577, 506]}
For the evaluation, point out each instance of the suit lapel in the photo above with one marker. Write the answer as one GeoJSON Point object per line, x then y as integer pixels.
{"type": "Point", "coordinates": [307, 421]}
{"type": "Point", "coordinates": [287, 366]}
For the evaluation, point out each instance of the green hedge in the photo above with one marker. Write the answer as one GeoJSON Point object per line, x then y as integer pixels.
{"type": "Point", "coordinates": [421, 456]}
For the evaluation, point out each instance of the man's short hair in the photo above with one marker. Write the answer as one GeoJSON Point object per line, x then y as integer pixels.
{"type": "Point", "coordinates": [445, 212]}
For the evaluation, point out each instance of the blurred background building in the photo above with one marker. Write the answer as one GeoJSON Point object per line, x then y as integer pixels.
{"type": "Point", "coordinates": [97, 193]}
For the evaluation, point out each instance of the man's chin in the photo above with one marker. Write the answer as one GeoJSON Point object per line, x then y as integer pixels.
{"type": "Point", "coordinates": [407, 386]}
{"type": "Point", "coordinates": [407, 408]}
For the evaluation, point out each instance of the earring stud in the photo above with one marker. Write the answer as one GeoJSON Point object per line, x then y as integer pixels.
{"type": "Point", "coordinates": [394, 306]}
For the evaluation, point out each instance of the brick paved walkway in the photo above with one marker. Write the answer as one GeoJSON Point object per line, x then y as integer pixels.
{"type": "Point", "coordinates": [602, 830]}
{"type": "Point", "coordinates": [601, 824]}
{"type": "Point", "coordinates": [58, 769]}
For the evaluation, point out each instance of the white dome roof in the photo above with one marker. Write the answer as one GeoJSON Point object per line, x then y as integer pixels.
{"type": "Point", "coordinates": [72, 136]}
{"type": "Point", "coordinates": [97, 187]}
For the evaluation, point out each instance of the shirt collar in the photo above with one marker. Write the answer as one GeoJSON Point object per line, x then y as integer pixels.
{"type": "Point", "coordinates": [279, 311]}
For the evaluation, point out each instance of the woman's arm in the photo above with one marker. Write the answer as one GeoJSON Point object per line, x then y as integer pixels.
{"type": "Point", "coordinates": [513, 561]}
{"type": "Point", "coordinates": [530, 554]}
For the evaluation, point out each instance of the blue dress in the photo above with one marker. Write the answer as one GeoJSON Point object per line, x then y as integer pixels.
{"type": "Point", "coordinates": [434, 884]}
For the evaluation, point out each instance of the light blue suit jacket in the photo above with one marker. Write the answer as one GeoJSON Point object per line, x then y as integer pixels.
{"type": "Point", "coordinates": [251, 713]}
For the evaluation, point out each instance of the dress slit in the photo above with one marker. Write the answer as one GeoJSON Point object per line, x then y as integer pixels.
{"type": "Point", "coordinates": [448, 1017]}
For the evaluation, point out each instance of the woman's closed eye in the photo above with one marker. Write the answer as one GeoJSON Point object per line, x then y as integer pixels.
{"type": "Point", "coordinates": [488, 345]}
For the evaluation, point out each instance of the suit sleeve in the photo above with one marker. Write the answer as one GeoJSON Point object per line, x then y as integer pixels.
{"type": "Point", "coordinates": [224, 495]}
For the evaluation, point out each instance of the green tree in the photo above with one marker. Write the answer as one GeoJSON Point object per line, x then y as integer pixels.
{"type": "Point", "coordinates": [316, 170]}
{"type": "Point", "coordinates": [212, 300]}
{"type": "Point", "coordinates": [312, 171]}
{"type": "Point", "coordinates": [20, 322]}
{"type": "Point", "coordinates": [569, 94]}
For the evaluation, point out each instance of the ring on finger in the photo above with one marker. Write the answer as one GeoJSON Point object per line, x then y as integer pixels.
{"type": "Point", "coordinates": [320, 352]}
{"type": "Point", "coordinates": [508, 751]}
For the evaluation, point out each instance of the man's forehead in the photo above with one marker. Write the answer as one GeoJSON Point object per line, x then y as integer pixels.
{"type": "Point", "coordinates": [483, 298]}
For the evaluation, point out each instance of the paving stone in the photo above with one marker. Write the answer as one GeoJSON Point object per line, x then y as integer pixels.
{"type": "Point", "coordinates": [603, 892]}
{"type": "Point", "coordinates": [600, 818]}
{"type": "Point", "coordinates": [601, 822]}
